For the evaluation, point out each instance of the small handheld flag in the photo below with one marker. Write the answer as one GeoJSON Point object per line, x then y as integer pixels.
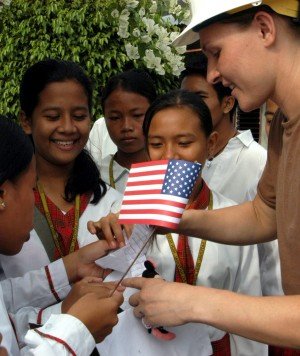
{"type": "Point", "coordinates": [157, 192]}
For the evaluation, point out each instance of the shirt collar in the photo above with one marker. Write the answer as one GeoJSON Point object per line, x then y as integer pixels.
{"type": "Point", "coordinates": [245, 137]}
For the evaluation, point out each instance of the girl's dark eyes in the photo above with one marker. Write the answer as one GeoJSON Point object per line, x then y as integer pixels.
{"type": "Point", "coordinates": [137, 116]}
{"type": "Point", "coordinates": [185, 143]}
{"type": "Point", "coordinates": [80, 117]}
{"type": "Point", "coordinates": [52, 117]}
{"type": "Point", "coordinates": [155, 144]}
{"type": "Point", "coordinates": [113, 118]}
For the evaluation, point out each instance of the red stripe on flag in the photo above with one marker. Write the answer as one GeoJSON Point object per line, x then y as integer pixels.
{"type": "Point", "coordinates": [154, 201]}
{"type": "Point", "coordinates": [151, 222]}
{"type": "Point", "coordinates": [151, 211]}
{"type": "Point", "coordinates": [150, 163]}
{"type": "Point", "coordinates": [146, 182]}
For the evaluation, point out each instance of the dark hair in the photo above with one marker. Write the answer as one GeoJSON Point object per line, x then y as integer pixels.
{"type": "Point", "coordinates": [16, 150]}
{"type": "Point", "coordinates": [42, 73]}
{"type": "Point", "coordinates": [196, 64]}
{"type": "Point", "coordinates": [244, 18]}
{"type": "Point", "coordinates": [85, 176]}
{"type": "Point", "coordinates": [180, 98]}
{"type": "Point", "coordinates": [135, 81]}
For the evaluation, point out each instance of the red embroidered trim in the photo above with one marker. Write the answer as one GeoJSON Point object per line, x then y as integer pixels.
{"type": "Point", "coordinates": [39, 317]}
{"type": "Point", "coordinates": [51, 284]}
{"type": "Point", "coordinates": [68, 347]}
{"type": "Point", "coordinates": [221, 347]}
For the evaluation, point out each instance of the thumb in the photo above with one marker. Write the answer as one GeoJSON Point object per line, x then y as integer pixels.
{"type": "Point", "coordinates": [91, 227]}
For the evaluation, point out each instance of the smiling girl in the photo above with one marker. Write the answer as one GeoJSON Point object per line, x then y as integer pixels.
{"type": "Point", "coordinates": [56, 103]}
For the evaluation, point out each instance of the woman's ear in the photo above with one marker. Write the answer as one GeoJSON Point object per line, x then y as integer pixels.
{"type": "Point", "coordinates": [25, 123]}
{"type": "Point", "coordinates": [266, 27]}
{"type": "Point", "coordinates": [228, 104]}
{"type": "Point", "coordinates": [211, 144]}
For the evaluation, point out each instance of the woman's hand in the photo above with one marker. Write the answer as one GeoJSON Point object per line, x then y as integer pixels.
{"type": "Point", "coordinates": [159, 302]}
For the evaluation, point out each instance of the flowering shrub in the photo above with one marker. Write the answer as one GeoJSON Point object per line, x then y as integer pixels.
{"type": "Point", "coordinates": [103, 36]}
{"type": "Point", "coordinates": [148, 35]}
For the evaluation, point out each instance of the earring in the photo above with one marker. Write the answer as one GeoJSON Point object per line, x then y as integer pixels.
{"type": "Point", "coordinates": [3, 205]}
{"type": "Point", "coordinates": [209, 161]}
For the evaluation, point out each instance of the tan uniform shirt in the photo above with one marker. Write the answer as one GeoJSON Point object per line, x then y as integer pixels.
{"type": "Point", "coordinates": [279, 188]}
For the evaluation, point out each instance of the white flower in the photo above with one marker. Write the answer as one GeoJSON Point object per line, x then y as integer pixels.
{"type": "Point", "coordinates": [125, 12]}
{"type": "Point", "coordinates": [132, 4]}
{"type": "Point", "coordinates": [163, 47]}
{"type": "Point", "coordinates": [146, 38]}
{"type": "Point", "coordinates": [136, 32]}
{"type": "Point", "coordinates": [186, 14]}
{"type": "Point", "coordinates": [160, 70]}
{"type": "Point", "coordinates": [181, 49]}
{"type": "Point", "coordinates": [142, 12]}
{"type": "Point", "coordinates": [115, 13]}
{"type": "Point", "coordinates": [153, 8]}
{"type": "Point", "coordinates": [176, 70]}
{"type": "Point", "coordinates": [173, 36]}
{"type": "Point", "coordinates": [123, 22]}
{"type": "Point", "coordinates": [132, 51]}
{"type": "Point", "coordinates": [124, 16]}
{"type": "Point", "coordinates": [150, 59]}
{"type": "Point", "coordinates": [162, 34]}
{"type": "Point", "coordinates": [173, 3]}
{"type": "Point", "coordinates": [122, 32]}
{"type": "Point", "coordinates": [150, 25]}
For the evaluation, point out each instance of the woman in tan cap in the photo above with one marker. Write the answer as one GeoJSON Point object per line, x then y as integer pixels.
{"type": "Point", "coordinates": [252, 47]}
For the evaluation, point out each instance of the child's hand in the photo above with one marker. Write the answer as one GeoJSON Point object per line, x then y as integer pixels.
{"type": "Point", "coordinates": [3, 351]}
{"type": "Point", "coordinates": [98, 314]}
{"type": "Point", "coordinates": [81, 263]}
{"type": "Point", "coordinates": [85, 286]}
{"type": "Point", "coordinates": [108, 228]}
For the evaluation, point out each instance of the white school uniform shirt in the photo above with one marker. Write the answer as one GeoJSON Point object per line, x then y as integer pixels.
{"type": "Point", "coordinates": [33, 254]}
{"type": "Point", "coordinates": [234, 268]}
{"type": "Point", "coordinates": [120, 173]}
{"type": "Point", "coordinates": [99, 143]}
{"type": "Point", "coordinates": [20, 302]}
{"type": "Point", "coordinates": [235, 173]}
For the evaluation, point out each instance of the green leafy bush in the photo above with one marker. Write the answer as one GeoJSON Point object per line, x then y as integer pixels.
{"type": "Point", "coordinates": [103, 36]}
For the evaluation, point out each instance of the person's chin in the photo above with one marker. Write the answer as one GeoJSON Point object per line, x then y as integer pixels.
{"type": "Point", "coordinates": [247, 106]}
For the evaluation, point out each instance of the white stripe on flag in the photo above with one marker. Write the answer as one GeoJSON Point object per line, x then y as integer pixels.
{"type": "Point", "coordinates": [157, 217]}
{"type": "Point", "coordinates": [146, 178]}
{"type": "Point", "coordinates": [149, 168]}
{"type": "Point", "coordinates": [143, 187]}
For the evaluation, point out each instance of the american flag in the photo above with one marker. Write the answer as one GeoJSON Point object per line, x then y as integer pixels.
{"type": "Point", "coordinates": [157, 192]}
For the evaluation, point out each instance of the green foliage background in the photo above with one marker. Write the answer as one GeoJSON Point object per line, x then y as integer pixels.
{"type": "Point", "coordinates": [77, 30]}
